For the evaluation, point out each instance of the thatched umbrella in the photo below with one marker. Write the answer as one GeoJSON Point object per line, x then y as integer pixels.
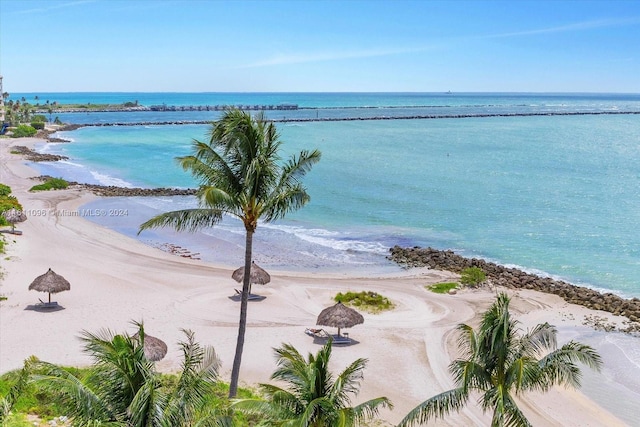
{"type": "Point", "coordinates": [154, 348]}
{"type": "Point", "coordinates": [339, 316]}
{"type": "Point", "coordinates": [50, 282]}
{"type": "Point", "coordinates": [258, 275]}
{"type": "Point", "coordinates": [13, 216]}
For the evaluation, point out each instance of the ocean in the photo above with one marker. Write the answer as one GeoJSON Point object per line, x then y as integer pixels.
{"type": "Point", "coordinates": [548, 183]}
{"type": "Point", "coordinates": [553, 194]}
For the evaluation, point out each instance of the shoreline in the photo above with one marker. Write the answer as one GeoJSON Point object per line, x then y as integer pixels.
{"type": "Point", "coordinates": [116, 279]}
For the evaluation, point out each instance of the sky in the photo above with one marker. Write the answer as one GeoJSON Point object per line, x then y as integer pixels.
{"type": "Point", "coordinates": [320, 46]}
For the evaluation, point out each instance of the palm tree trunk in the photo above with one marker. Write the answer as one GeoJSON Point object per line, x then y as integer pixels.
{"type": "Point", "coordinates": [242, 326]}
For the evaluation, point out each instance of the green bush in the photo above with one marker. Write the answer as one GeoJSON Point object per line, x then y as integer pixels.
{"type": "Point", "coordinates": [24, 131]}
{"type": "Point", "coordinates": [39, 118]}
{"type": "Point", "coordinates": [442, 288]}
{"type": "Point", "coordinates": [37, 125]}
{"type": "Point", "coordinates": [367, 300]}
{"type": "Point", "coordinates": [9, 202]}
{"type": "Point", "coordinates": [51, 184]}
{"type": "Point", "coordinates": [472, 276]}
{"type": "Point", "coordinates": [5, 190]}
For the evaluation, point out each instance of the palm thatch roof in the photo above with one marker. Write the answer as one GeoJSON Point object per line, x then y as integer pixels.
{"type": "Point", "coordinates": [339, 316]}
{"type": "Point", "coordinates": [50, 282]}
{"type": "Point", "coordinates": [258, 275]}
{"type": "Point", "coordinates": [13, 216]}
{"type": "Point", "coordinates": [154, 348]}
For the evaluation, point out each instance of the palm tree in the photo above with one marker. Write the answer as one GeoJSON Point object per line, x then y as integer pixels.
{"type": "Point", "coordinates": [500, 364]}
{"type": "Point", "coordinates": [313, 397]}
{"type": "Point", "coordinates": [241, 174]}
{"type": "Point", "coordinates": [124, 388]}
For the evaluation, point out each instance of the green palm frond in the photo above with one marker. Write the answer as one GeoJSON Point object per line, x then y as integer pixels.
{"type": "Point", "coordinates": [83, 404]}
{"type": "Point", "coordinates": [184, 220]}
{"type": "Point", "coordinates": [436, 407]}
{"type": "Point", "coordinates": [498, 362]}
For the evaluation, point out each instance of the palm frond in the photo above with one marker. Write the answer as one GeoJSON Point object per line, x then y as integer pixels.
{"type": "Point", "coordinates": [369, 409]}
{"type": "Point", "coordinates": [184, 220]}
{"type": "Point", "coordinates": [81, 402]}
{"type": "Point", "coordinates": [437, 406]}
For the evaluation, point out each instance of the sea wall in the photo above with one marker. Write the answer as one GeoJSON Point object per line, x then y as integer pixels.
{"type": "Point", "coordinates": [513, 278]}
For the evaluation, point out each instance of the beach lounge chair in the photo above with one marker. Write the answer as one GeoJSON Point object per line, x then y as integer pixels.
{"type": "Point", "coordinates": [317, 333]}
{"type": "Point", "coordinates": [44, 304]}
{"type": "Point", "coordinates": [251, 297]}
{"type": "Point", "coordinates": [324, 335]}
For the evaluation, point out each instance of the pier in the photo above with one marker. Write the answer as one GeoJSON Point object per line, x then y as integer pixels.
{"type": "Point", "coordinates": [163, 107]}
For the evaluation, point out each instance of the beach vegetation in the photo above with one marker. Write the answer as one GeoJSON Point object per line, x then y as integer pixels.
{"type": "Point", "coordinates": [37, 125]}
{"type": "Point", "coordinates": [498, 363]}
{"type": "Point", "coordinates": [23, 131]}
{"type": "Point", "coordinates": [123, 387]}
{"type": "Point", "coordinates": [442, 288]}
{"type": "Point", "coordinates": [5, 190]}
{"type": "Point", "coordinates": [241, 174]}
{"type": "Point", "coordinates": [310, 395]}
{"type": "Point", "coordinates": [51, 184]}
{"type": "Point", "coordinates": [365, 300]}
{"type": "Point", "coordinates": [473, 276]}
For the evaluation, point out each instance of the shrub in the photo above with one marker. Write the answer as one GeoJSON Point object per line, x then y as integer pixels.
{"type": "Point", "coordinates": [367, 300]}
{"type": "Point", "coordinates": [57, 121]}
{"type": "Point", "coordinates": [51, 184]}
{"type": "Point", "coordinates": [37, 125]}
{"type": "Point", "coordinates": [442, 288]}
{"type": "Point", "coordinates": [9, 202]}
{"type": "Point", "coordinates": [39, 118]}
{"type": "Point", "coordinates": [472, 276]}
{"type": "Point", "coordinates": [5, 190]}
{"type": "Point", "coordinates": [24, 131]}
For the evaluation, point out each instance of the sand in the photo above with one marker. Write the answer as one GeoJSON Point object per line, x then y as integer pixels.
{"type": "Point", "coordinates": [116, 280]}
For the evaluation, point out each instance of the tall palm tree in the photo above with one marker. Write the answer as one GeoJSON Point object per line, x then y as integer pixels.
{"type": "Point", "coordinates": [241, 174]}
{"type": "Point", "coordinates": [312, 398]}
{"type": "Point", "coordinates": [124, 389]}
{"type": "Point", "coordinates": [499, 364]}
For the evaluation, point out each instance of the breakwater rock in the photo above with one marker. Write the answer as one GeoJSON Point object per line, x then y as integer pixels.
{"type": "Point", "coordinates": [518, 279]}
{"type": "Point", "coordinates": [34, 156]}
{"type": "Point", "coordinates": [113, 191]}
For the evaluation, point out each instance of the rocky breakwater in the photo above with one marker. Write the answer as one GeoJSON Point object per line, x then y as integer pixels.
{"type": "Point", "coordinates": [34, 156]}
{"type": "Point", "coordinates": [513, 278]}
{"type": "Point", "coordinates": [113, 191]}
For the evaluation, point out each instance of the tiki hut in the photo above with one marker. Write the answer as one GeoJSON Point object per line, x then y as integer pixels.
{"type": "Point", "coordinates": [339, 316]}
{"type": "Point", "coordinates": [154, 348]}
{"type": "Point", "coordinates": [51, 283]}
{"type": "Point", "coordinates": [13, 216]}
{"type": "Point", "coordinates": [258, 275]}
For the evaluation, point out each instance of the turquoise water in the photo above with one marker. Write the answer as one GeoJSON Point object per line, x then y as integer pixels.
{"type": "Point", "coordinates": [556, 195]}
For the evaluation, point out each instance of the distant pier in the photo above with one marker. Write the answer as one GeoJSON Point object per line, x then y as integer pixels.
{"type": "Point", "coordinates": [163, 107]}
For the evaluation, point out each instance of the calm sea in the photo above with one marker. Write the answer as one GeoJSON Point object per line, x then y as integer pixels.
{"type": "Point", "coordinates": [554, 194]}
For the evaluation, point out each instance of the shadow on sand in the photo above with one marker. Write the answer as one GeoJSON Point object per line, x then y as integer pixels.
{"type": "Point", "coordinates": [47, 307]}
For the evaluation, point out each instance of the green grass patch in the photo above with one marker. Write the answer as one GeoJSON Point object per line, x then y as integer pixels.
{"type": "Point", "coordinates": [369, 301]}
{"type": "Point", "coordinates": [51, 184]}
{"type": "Point", "coordinates": [442, 288]}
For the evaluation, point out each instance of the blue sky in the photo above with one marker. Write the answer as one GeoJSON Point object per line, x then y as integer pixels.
{"type": "Point", "coordinates": [308, 46]}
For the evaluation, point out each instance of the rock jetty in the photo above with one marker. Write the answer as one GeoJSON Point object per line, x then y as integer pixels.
{"type": "Point", "coordinates": [113, 191]}
{"type": "Point", "coordinates": [34, 156]}
{"type": "Point", "coordinates": [517, 279]}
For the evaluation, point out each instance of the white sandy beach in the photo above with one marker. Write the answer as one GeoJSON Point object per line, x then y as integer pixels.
{"type": "Point", "coordinates": [115, 280]}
